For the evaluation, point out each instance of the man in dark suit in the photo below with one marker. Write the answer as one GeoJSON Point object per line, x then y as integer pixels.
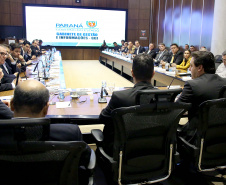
{"type": "Point", "coordinates": [162, 55]}
{"type": "Point", "coordinates": [142, 72]}
{"type": "Point", "coordinates": [116, 46]}
{"type": "Point", "coordinates": [31, 99]}
{"type": "Point", "coordinates": [204, 86]}
{"type": "Point", "coordinates": [139, 49]}
{"type": "Point", "coordinates": [6, 69]}
{"type": "Point", "coordinates": [176, 55]}
{"type": "Point", "coordinates": [152, 51]}
{"type": "Point", "coordinates": [5, 86]}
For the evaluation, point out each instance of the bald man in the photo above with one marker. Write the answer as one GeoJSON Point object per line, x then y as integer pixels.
{"type": "Point", "coordinates": [31, 100]}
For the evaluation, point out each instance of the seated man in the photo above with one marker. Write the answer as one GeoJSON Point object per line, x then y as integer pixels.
{"type": "Point", "coordinates": [131, 48]}
{"type": "Point", "coordinates": [139, 49]}
{"type": "Point", "coordinates": [116, 46]}
{"type": "Point", "coordinates": [204, 86]}
{"type": "Point", "coordinates": [31, 100]}
{"type": "Point", "coordinates": [142, 72]}
{"type": "Point", "coordinates": [151, 51]}
{"type": "Point", "coordinates": [192, 48]}
{"type": "Point", "coordinates": [26, 52]}
{"type": "Point", "coordinates": [176, 56]}
{"type": "Point", "coordinates": [124, 48]}
{"type": "Point", "coordinates": [9, 76]}
{"type": "Point", "coordinates": [35, 48]}
{"type": "Point", "coordinates": [221, 70]}
{"type": "Point", "coordinates": [6, 86]}
{"type": "Point", "coordinates": [162, 55]}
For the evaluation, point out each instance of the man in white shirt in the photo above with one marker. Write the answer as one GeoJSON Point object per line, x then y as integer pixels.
{"type": "Point", "coordinates": [221, 70]}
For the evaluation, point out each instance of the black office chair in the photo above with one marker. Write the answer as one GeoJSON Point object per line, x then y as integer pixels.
{"type": "Point", "coordinates": [152, 95]}
{"type": "Point", "coordinates": [144, 142]}
{"type": "Point", "coordinates": [222, 93]}
{"type": "Point", "coordinates": [218, 60]}
{"type": "Point", "coordinates": [208, 152]}
{"type": "Point", "coordinates": [27, 157]}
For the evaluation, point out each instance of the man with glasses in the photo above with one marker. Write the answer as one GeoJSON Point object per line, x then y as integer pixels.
{"type": "Point", "coordinates": [221, 70]}
{"type": "Point", "coordinates": [6, 84]}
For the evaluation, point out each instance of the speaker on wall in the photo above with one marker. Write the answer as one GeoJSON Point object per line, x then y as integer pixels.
{"type": "Point", "coordinates": [78, 1]}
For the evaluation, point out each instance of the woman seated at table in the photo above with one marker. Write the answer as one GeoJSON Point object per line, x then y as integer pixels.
{"type": "Point", "coordinates": [185, 64]}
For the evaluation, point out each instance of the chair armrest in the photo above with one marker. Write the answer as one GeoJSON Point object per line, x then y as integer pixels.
{"type": "Point", "coordinates": [98, 135]}
{"type": "Point", "coordinates": [189, 146]}
{"type": "Point", "coordinates": [111, 160]}
{"type": "Point", "coordinates": [92, 161]}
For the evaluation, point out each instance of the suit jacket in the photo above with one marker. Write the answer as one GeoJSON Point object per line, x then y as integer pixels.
{"type": "Point", "coordinates": [141, 50]}
{"type": "Point", "coordinates": [178, 57]}
{"type": "Point", "coordinates": [8, 77]}
{"type": "Point", "coordinates": [119, 99]}
{"type": "Point", "coordinates": [203, 88]}
{"type": "Point", "coordinates": [5, 87]}
{"type": "Point", "coordinates": [5, 112]}
{"type": "Point", "coordinates": [152, 52]}
{"type": "Point", "coordinates": [35, 51]}
{"type": "Point", "coordinates": [25, 55]}
{"type": "Point", "coordinates": [162, 56]}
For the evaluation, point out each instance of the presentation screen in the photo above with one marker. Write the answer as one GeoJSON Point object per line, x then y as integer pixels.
{"type": "Point", "coordinates": [82, 27]}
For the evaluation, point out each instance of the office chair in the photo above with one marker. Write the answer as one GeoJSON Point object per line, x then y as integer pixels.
{"type": "Point", "coordinates": [144, 142]}
{"type": "Point", "coordinates": [208, 152]}
{"type": "Point", "coordinates": [151, 95]}
{"type": "Point", "coordinates": [27, 157]}
{"type": "Point", "coordinates": [222, 93]}
{"type": "Point", "coordinates": [218, 60]}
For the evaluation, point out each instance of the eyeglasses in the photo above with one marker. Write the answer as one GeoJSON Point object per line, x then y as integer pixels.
{"type": "Point", "coordinates": [3, 54]}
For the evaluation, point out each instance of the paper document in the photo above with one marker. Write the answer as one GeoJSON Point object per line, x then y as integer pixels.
{"type": "Point", "coordinates": [65, 104]}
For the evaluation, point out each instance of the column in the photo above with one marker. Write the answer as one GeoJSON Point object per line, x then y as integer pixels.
{"type": "Point", "coordinates": [218, 44]}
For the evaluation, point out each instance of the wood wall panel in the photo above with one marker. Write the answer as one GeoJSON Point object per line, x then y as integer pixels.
{"type": "Point", "coordinates": [144, 14]}
{"type": "Point", "coordinates": [133, 4]}
{"type": "Point", "coordinates": [6, 19]}
{"type": "Point", "coordinates": [196, 23]}
{"type": "Point", "coordinates": [5, 7]}
{"type": "Point", "coordinates": [133, 13]}
{"type": "Point", "coordinates": [185, 22]}
{"type": "Point", "coordinates": [123, 4]}
{"type": "Point", "coordinates": [88, 3]}
{"type": "Point", "coordinates": [145, 4]}
{"type": "Point", "coordinates": [101, 3]}
{"type": "Point", "coordinates": [41, 1]}
{"type": "Point", "coordinates": [112, 4]}
{"type": "Point", "coordinates": [207, 23]}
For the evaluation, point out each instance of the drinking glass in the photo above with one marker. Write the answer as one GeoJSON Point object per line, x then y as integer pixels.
{"type": "Point", "coordinates": [111, 87]}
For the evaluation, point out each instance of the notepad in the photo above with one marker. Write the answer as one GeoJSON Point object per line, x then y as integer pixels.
{"type": "Point", "coordinates": [65, 104]}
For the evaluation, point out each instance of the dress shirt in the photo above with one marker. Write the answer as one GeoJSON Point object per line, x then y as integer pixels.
{"type": "Point", "coordinates": [221, 70]}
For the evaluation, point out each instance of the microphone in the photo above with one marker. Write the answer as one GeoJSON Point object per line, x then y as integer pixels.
{"type": "Point", "coordinates": [102, 99]}
{"type": "Point", "coordinates": [105, 91]}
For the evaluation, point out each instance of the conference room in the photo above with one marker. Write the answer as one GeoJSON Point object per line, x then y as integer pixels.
{"type": "Point", "coordinates": [76, 51]}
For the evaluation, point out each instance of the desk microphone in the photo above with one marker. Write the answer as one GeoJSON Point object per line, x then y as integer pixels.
{"type": "Point", "coordinates": [105, 91]}
{"type": "Point", "coordinates": [102, 99]}
{"type": "Point", "coordinates": [17, 78]}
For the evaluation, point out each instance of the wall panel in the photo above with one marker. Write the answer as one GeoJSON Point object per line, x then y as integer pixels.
{"type": "Point", "coordinates": [185, 22]}
{"type": "Point", "coordinates": [207, 26]}
{"type": "Point", "coordinates": [168, 22]}
{"type": "Point", "coordinates": [182, 22]}
{"type": "Point", "coordinates": [176, 21]}
{"type": "Point", "coordinates": [196, 23]}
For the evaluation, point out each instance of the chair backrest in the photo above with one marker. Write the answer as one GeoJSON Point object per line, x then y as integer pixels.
{"type": "Point", "coordinates": [211, 135]}
{"type": "Point", "coordinates": [145, 138]}
{"type": "Point", "coordinates": [153, 95]}
{"type": "Point", "coordinates": [26, 158]}
{"type": "Point", "coordinates": [222, 93]}
{"type": "Point", "coordinates": [218, 58]}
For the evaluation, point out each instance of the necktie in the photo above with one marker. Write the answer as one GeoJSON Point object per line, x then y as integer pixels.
{"type": "Point", "coordinates": [172, 59]}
